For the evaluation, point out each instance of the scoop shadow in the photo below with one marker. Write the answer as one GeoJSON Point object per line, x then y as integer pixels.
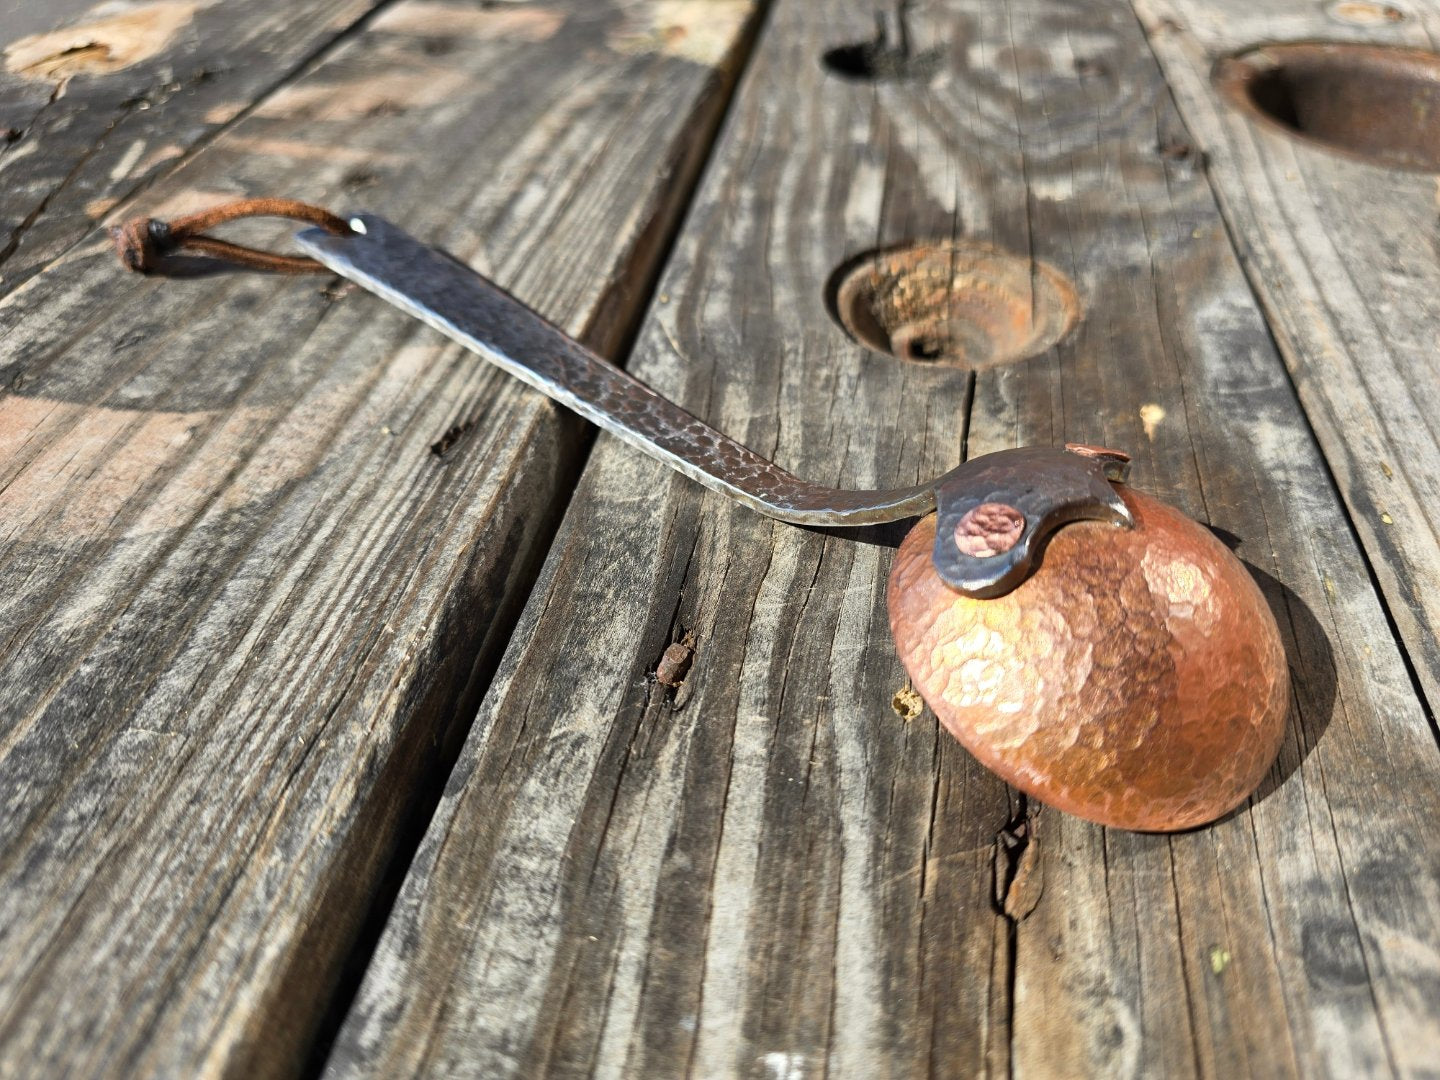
{"type": "Point", "coordinates": [886, 534]}
{"type": "Point", "coordinates": [1312, 678]}
{"type": "Point", "coordinates": [1312, 684]}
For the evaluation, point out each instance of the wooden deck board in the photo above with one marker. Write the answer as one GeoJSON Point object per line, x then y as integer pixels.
{"type": "Point", "coordinates": [765, 871]}
{"type": "Point", "coordinates": [247, 614]}
{"type": "Point", "coordinates": [627, 879]}
{"type": "Point", "coordinates": [245, 608]}
{"type": "Point", "coordinates": [1341, 254]}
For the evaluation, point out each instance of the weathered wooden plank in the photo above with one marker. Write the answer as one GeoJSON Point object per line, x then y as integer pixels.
{"type": "Point", "coordinates": [99, 107]}
{"type": "Point", "coordinates": [1340, 252]}
{"type": "Point", "coordinates": [1297, 937]}
{"type": "Point", "coordinates": [245, 610]}
{"type": "Point", "coordinates": [763, 871]}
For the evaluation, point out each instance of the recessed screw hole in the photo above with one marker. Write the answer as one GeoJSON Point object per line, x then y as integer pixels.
{"type": "Point", "coordinates": [1373, 102]}
{"type": "Point", "coordinates": [871, 62]}
{"type": "Point", "coordinates": [958, 303]}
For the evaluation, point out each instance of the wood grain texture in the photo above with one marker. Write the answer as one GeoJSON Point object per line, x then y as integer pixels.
{"type": "Point", "coordinates": [765, 871]}
{"type": "Point", "coordinates": [1342, 254]}
{"type": "Point", "coordinates": [117, 96]}
{"type": "Point", "coordinates": [1297, 937]}
{"type": "Point", "coordinates": [245, 610]}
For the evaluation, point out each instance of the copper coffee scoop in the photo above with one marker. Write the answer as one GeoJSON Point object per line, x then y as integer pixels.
{"type": "Point", "coordinates": [1134, 677]}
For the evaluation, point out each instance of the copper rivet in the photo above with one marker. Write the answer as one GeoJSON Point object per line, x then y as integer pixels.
{"type": "Point", "coordinates": [989, 529]}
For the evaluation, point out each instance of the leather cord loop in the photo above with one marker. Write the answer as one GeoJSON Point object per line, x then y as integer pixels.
{"type": "Point", "coordinates": [143, 243]}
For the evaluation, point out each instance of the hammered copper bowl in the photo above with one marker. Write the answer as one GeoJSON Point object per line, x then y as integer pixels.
{"type": "Point", "coordinates": [1135, 679]}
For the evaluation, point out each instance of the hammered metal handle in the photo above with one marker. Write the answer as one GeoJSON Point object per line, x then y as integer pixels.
{"type": "Point", "coordinates": [1019, 495]}
{"type": "Point", "coordinates": [441, 291]}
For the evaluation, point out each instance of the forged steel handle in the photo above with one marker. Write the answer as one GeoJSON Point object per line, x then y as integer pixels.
{"type": "Point", "coordinates": [998, 506]}
{"type": "Point", "coordinates": [443, 292]}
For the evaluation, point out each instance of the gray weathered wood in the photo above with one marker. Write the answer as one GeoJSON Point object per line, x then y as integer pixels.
{"type": "Point", "coordinates": [635, 880]}
{"type": "Point", "coordinates": [1296, 938]}
{"type": "Point", "coordinates": [1342, 255]}
{"type": "Point", "coordinates": [97, 108]}
{"type": "Point", "coordinates": [245, 611]}
{"type": "Point", "coordinates": [764, 871]}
